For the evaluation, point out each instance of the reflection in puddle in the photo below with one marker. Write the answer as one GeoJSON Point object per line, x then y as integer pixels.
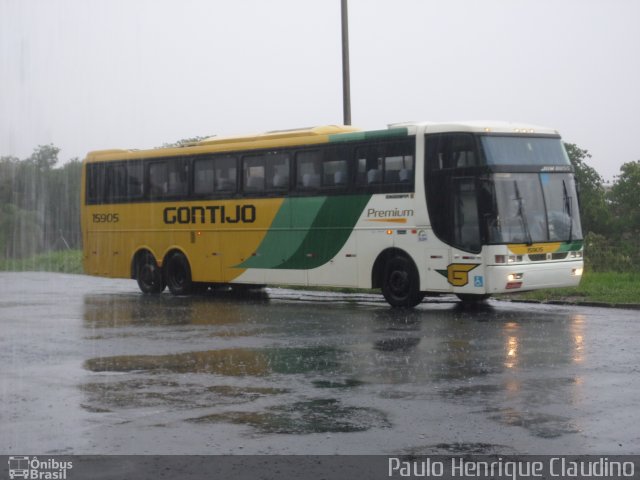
{"type": "Point", "coordinates": [149, 392]}
{"type": "Point", "coordinates": [539, 424]}
{"type": "Point", "coordinates": [104, 311]}
{"type": "Point", "coordinates": [230, 362]}
{"type": "Point", "coordinates": [403, 344]}
{"type": "Point", "coordinates": [348, 383]}
{"type": "Point", "coordinates": [459, 448]}
{"type": "Point", "coordinates": [313, 416]}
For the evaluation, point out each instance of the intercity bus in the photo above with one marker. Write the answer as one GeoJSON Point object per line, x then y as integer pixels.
{"type": "Point", "coordinates": [470, 208]}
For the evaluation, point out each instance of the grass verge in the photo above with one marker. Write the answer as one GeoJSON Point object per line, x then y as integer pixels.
{"type": "Point", "coordinates": [604, 287]}
{"type": "Point", "coordinates": [66, 261]}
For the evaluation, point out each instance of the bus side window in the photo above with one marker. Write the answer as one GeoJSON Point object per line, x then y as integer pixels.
{"type": "Point", "coordinates": [450, 150]}
{"type": "Point", "coordinates": [386, 163]}
{"type": "Point", "coordinates": [277, 166]}
{"type": "Point", "coordinates": [398, 169]}
{"type": "Point", "coordinates": [177, 178]}
{"type": "Point", "coordinates": [95, 183]}
{"type": "Point", "coordinates": [203, 176]}
{"type": "Point", "coordinates": [308, 168]}
{"type": "Point", "coordinates": [225, 174]}
{"type": "Point", "coordinates": [253, 173]}
{"type": "Point", "coordinates": [135, 180]}
{"type": "Point", "coordinates": [369, 165]}
{"type": "Point", "coordinates": [158, 181]}
{"type": "Point", "coordinates": [116, 182]}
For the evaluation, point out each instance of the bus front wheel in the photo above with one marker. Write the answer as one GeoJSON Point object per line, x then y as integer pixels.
{"type": "Point", "coordinates": [149, 275]}
{"type": "Point", "coordinates": [401, 286]}
{"type": "Point", "coordinates": [178, 274]}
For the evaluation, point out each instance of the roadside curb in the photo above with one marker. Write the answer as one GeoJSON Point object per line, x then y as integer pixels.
{"type": "Point", "coordinates": [624, 306]}
{"type": "Point", "coordinates": [329, 297]}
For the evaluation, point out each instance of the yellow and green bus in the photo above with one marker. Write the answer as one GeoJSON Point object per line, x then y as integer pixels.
{"type": "Point", "coordinates": [416, 209]}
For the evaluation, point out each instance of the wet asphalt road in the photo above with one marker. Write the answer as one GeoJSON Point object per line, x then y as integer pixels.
{"type": "Point", "coordinates": [89, 365]}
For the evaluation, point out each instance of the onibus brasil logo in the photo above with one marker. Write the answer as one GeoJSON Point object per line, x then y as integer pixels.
{"type": "Point", "coordinates": [32, 468]}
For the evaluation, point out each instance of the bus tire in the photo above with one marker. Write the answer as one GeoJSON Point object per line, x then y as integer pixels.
{"type": "Point", "coordinates": [149, 275]}
{"type": "Point", "coordinates": [401, 283]}
{"type": "Point", "coordinates": [178, 274]}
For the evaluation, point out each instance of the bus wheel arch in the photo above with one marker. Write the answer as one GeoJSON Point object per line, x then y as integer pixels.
{"type": "Point", "coordinates": [147, 272]}
{"type": "Point", "coordinates": [177, 272]}
{"type": "Point", "coordinates": [395, 272]}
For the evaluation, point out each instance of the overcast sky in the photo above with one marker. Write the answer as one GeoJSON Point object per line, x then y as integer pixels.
{"type": "Point", "coordinates": [95, 74]}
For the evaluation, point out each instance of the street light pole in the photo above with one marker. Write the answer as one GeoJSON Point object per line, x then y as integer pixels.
{"type": "Point", "coordinates": [346, 88]}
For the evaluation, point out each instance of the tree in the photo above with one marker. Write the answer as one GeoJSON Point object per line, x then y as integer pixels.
{"type": "Point", "coordinates": [186, 142]}
{"type": "Point", "coordinates": [39, 203]}
{"type": "Point", "coordinates": [44, 157]}
{"type": "Point", "coordinates": [625, 197]}
{"type": "Point", "coordinates": [594, 211]}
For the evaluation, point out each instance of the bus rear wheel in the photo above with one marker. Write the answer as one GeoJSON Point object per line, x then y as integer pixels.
{"type": "Point", "coordinates": [149, 275]}
{"type": "Point", "coordinates": [178, 274]}
{"type": "Point", "coordinates": [401, 286]}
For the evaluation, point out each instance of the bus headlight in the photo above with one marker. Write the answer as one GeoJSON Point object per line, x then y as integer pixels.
{"type": "Point", "coordinates": [514, 276]}
{"type": "Point", "coordinates": [576, 272]}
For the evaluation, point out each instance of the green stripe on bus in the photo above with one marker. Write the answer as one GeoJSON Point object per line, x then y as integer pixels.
{"type": "Point", "coordinates": [308, 232]}
{"type": "Point", "coordinates": [328, 234]}
{"type": "Point", "coordinates": [287, 232]}
{"type": "Point", "coordinates": [371, 135]}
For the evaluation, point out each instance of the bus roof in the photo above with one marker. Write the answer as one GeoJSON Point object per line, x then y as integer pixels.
{"type": "Point", "coordinates": [277, 138]}
{"type": "Point", "coordinates": [477, 126]}
{"type": "Point", "coordinates": [316, 135]}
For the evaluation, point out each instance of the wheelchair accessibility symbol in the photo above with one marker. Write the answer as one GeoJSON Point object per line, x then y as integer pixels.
{"type": "Point", "coordinates": [478, 281]}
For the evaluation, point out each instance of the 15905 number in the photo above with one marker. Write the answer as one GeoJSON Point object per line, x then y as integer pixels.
{"type": "Point", "coordinates": [105, 218]}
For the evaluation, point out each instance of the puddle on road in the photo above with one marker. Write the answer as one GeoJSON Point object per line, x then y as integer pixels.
{"type": "Point", "coordinates": [108, 311]}
{"type": "Point", "coordinates": [539, 424]}
{"type": "Point", "coordinates": [313, 416]}
{"type": "Point", "coordinates": [462, 449]}
{"type": "Point", "coordinates": [140, 393]}
{"type": "Point", "coordinates": [348, 383]}
{"type": "Point", "coordinates": [402, 344]}
{"type": "Point", "coordinates": [229, 362]}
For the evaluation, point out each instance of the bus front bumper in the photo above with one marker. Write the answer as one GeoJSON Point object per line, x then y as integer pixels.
{"type": "Point", "coordinates": [520, 277]}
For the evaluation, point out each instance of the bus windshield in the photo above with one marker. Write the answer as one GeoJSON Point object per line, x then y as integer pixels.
{"type": "Point", "coordinates": [525, 151]}
{"type": "Point", "coordinates": [532, 207]}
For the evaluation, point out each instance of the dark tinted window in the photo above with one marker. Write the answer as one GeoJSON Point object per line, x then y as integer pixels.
{"type": "Point", "coordinates": [168, 178]}
{"type": "Point", "coordinates": [451, 193]}
{"type": "Point", "coordinates": [114, 182]}
{"type": "Point", "coordinates": [326, 168]}
{"type": "Point", "coordinates": [266, 172]}
{"type": "Point", "coordinates": [385, 163]}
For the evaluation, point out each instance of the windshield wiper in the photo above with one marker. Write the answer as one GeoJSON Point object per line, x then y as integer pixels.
{"type": "Point", "coordinates": [521, 213]}
{"type": "Point", "coordinates": [567, 207]}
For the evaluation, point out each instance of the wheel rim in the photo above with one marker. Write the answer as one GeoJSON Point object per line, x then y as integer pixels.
{"type": "Point", "coordinates": [146, 275]}
{"type": "Point", "coordinates": [178, 274]}
{"type": "Point", "coordinates": [399, 283]}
